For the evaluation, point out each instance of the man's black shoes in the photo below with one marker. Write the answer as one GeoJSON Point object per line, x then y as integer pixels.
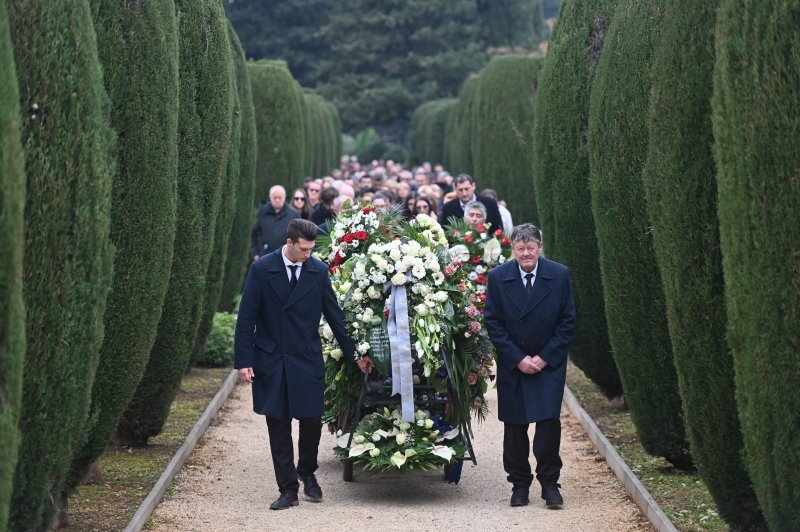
{"type": "Point", "coordinates": [552, 497]}
{"type": "Point", "coordinates": [286, 500]}
{"type": "Point", "coordinates": [311, 488]}
{"type": "Point", "coordinates": [519, 497]}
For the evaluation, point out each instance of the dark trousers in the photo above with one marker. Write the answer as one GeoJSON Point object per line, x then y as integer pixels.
{"type": "Point", "coordinates": [546, 442]}
{"type": "Point", "coordinates": [282, 447]}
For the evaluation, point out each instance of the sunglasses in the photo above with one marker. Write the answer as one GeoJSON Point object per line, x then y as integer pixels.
{"type": "Point", "coordinates": [299, 198]}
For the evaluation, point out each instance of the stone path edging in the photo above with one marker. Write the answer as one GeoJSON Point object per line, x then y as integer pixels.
{"type": "Point", "coordinates": [632, 484]}
{"type": "Point", "coordinates": [141, 516]}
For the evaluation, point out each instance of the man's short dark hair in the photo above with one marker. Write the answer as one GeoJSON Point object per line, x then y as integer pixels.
{"type": "Point", "coordinates": [526, 233]}
{"type": "Point", "coordinates": [464, 178]}
{"type": "Point", "coordinates": [299, 228]}
{"type": "Point", "coordinates": [328, 195]}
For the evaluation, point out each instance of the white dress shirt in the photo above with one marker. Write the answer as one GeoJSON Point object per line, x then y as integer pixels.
{"type": "Point", "coordinates": [288, 263]}
{"type": "Point", "coordinates": [523, 273]}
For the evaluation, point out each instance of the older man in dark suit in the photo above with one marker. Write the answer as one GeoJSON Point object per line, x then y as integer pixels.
{"type": "Point", "coordinates": [278, 349]}
{"type": "Point", "coordinates": [530, 317]}
{"type": "Point", "coordinates": [465, 188]}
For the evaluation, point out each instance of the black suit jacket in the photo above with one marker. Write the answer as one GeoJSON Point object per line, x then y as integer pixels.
{"type": "Point", "coordinates": [453, 208]}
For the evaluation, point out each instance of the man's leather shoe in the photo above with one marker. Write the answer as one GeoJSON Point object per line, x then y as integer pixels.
{"type": "Point", "coordinates": [519, 497]}
{"type": "Point", "coordinates": [552, 497]}
{"type": "Point", "coordinates": [311, 488]}
{"type": "Point", "coordinates": [286, 500]}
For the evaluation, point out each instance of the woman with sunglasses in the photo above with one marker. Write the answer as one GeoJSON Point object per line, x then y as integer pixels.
{"type": "Point", "coordinates": [426, 205]}
{"type": "Point", "coordinates": [300, 203]}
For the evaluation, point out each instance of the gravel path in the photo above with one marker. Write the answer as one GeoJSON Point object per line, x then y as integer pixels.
{"type": "Point", "coordinates": [228, 484]}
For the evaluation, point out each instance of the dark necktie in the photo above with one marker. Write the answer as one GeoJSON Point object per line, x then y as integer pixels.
{"type": "Point", "coordinates": [529, 283]}
{"type": "Point", "coordinates": [293, 281]}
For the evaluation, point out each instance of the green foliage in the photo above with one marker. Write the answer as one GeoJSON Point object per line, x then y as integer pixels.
{"type": "Point", "coordinates": [69, 164]}
{"type": "Point", "coordinates": [204, 136]}
{"type": "Point", "coordinates": [427, 131]}
{"type": "Point", "coordinates": [239, 240]}
{"type": "Point", "coordinates": [502, 128]}
{"type": "Point", "coordinates": [322, 135]}
{"type": "Point", "coordinates": [756, 124]}
{"type": "Point", "coordinates": [635, 307]}
{"type": "Point", "coordinates": [219, 348]}
{"type": "Point", "coordinates": [680, 182]}
{"type": "Point", "coordinates": [561, 177]}
{"type": "Point", "coordinates": [512, 23]}
{"type": "Point", "coordinates": [226, 211]}
{"type": "Point", "coordinates": [279, 126]}
{"type": "Point", "coordinates": [388, 57]}
{"type": "Point", "coordinates": [12, 308]}
{"type": "Point", "coordinates": [138, 48]}
{"type": "Point", "coordinates": [458, 132]}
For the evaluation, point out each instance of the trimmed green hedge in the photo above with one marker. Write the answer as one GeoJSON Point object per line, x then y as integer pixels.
{"type": "Point", "coordinates": [138, 48]}
{"type": "Point", "coordinates": [12, 308]}
{"type": "Point", "coordinates": [239, 240]}
{"type": "Point", "coordinates": [428, 129]}
{"type": "Point", "coordinates": [635, 307]}
{"type": "Point", "coordinates": [756, 117]}
{"type": "Point", "coordinates": [321, 131]}
{"type": "Point", "coordinates": [679, 179]}
{"type": "Point", "coordinates": [458, 133]}
{"type": "Point", "coordinates": [502, 129]}
{"type": "Point", "coordinates": [204, 136]}
{"type": "Point", "coordinates": [279, 126]}
{"type": "Point", "coordinates": [561, 177]}
{"type": "Point", "coordinates": [225, 213]}
{"type": "Point", "coordinates": [69, 147]}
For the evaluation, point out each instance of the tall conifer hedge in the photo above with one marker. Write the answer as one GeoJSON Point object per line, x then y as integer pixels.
{"type": "Point", "coordinates": [501, 135]}
{"type": "Point", "coordinates": [756, 117]}
{"type": "Point", "coordinates": [204, 136]}
{"type": "Point", "coordinates": [680, 181]}
{"type": "Point", "coordinates": [561, 176]}
{"type": "Point", "coordinates": [225, 213]}
{"type": "Point", "coordinates": [634, 299]}
{"type": "Point", "coordinates": [69, 165]}
{"type": "Point", "coordinates": [239, 240]}
{"type": "Point", "coordinates": [279, 124]}
{"type": "Point", "coordinates": [320, 135]}
{"type": "Point", "coordinates": [417, 132]}
{"type": "Point", "coordinates": [138, 47]}
{"type": "Point", "coordinates": [428, 130]}
{"type": "Point", "coordinates": [12, 308]}
{"type": "Point", "coordinates": [458, 133]}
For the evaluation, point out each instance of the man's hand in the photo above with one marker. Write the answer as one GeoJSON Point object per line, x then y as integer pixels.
{"type": "Point", "coordinates": [538, 362]}
{"type": "Point", "coordinates": [246, 375]}
{"type": "Point", "coordinates": [527, 366]}
{"type": "Point", "coordinates": [366, 364]}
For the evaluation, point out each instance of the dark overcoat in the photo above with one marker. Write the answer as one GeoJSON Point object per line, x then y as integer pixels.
{"type": "Point", "coordinates": [277, 334]}
{"type": "Point", "coordinates": [453, 209]}
{"type": "Point", "coordinates": [542, 324]}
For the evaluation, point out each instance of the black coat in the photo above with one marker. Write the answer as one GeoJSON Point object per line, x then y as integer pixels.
{"type": "Point", "coordinates": [453, 209]}
{"type": "Point", "coordinates": [269, 231]}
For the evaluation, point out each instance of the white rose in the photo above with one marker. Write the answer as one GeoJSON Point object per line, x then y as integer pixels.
{"type": "Point", "coordinates": [327, 332]}
{"type": "Point", "coordinates": [336, 354]}
{"type": "Point", "coordinates": [374, 452]}
{"type": "Point", "coordinates": [428, 423]}
{"type": "Point", "coordinates": [399, 279]}
{"type": "Point", "coordinates": [421, 309]}
{"type": "Point", "coordinates": [363, 347]}
{"type": "Point", "coordinates": [395, 254]}
{"type": "Point", "coordinates": [373, 293]}
{"type": "Point", "coordinates": [359, 438]}
{"type": "Point", "coordinates": [400, 439]}
{"type": "Point", "coordinates": [358, 295]}
{"type": "Point", "coordinates": [405, 425]}
{"type": "Point", "coordinates": [345, 287]}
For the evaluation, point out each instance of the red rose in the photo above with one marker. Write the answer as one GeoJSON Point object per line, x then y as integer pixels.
{"type": "Point", "coordinates": [347, 238]}
{"type": "Point", "coordinates": [476, 259]}
{"type": "Point", "coordinates": [386, 313]}
{"type": "Point", "coordinates": [361, 235]}
{"type": "Point", "coordinates": [468, 239]}
{"type": "Point", "coordinates": [499, 232]}
{"type": "Point", "coordinates": [506, 241]}
{"type": "Point", "coordinates": [481, 228]}
{"type": "Point", "coordinates": [483, 298]}
{"type": "Point", "coordinates": [481, 279]}
{"type": "Point", "coordinates": [367, 210]}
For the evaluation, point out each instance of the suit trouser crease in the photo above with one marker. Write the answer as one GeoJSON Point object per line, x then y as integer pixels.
{"type": "Point", "coordinates": [546, 443]}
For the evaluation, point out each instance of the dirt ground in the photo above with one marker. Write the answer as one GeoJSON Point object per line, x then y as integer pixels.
{"type": "Point", "coordinates": [228, 484]}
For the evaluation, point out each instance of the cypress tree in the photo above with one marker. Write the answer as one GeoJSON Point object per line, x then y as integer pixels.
{"type": "Point", "coordinates": [756, 124]}
{"type": "Point", "coordinates": [634, 300]}
{"type": "Point", "coordinates": [239, 240]}
{"type": "Point", "coordinates": [279, 126]}
{"type": "Point", "coordinates": [502, 127]}
{"type": "Point", "coordinates": [420, 122]}
{"type": "Point", "coordinates": [204, 133]}
{"type": "Point", "coordinates": [512, 23]}
{"type": "Point", "coordinates": [12, 308]}
{"type": "Point", "coordinates": [458, 134]}
{"type": "Point", "coordinates": [437, 128]}
{"type": "Point", "coordinates": [338, 151]}
{"type": "Point", "coordinates": [225, 213]}
{"type": "Point", "coordinates": [138, 47]}
{"type": "Point", "coordinates": [318, 126]}
{"type": "Point", "coordinates": [69, 164]}
{"type": "Point", "coordinates": [679, 179]}
{"type": "Point", "coordinates": [561, 176]}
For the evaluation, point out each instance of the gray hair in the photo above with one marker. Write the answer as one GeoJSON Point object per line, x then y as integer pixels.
{"type": "Point", "coordinates": [475, 205]}
{"type": "Point", "coordinates": [526, 233]}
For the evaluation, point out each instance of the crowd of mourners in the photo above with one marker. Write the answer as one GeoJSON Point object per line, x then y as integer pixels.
{"type": "Point", "coordinates": [425, 189]}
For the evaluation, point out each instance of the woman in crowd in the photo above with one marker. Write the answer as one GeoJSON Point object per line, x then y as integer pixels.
{"type": "Point", "coordinates": [300, 203]}
{"type": "Point", "coordinates": [427, 205]}
{"type": "Point", "coordinates": [410, 206]}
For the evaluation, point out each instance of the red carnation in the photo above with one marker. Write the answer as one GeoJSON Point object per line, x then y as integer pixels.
{"type": "Point", "coordinates": [481, 279]}
{"type": "Point", "coordinates": [499, 232]}
{"type": "Point", "coordinates": [468, 239]}
{"type": "Point", "coordinates": [367, 210]}
{"type": "Point", "coordinates": [506, 241]}
{"type": "Point", "coordinates": [386, 313]}
{"type": "Point", "coordinates": [347, 238]}
{"type": "Point", "coordinates": [476, 259]}
{"type": "Point", "coordinates": [361, 235]}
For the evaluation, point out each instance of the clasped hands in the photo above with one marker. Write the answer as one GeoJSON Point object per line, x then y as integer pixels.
{"type": "Point", "coordinates": [365, 365]}
{"type": "Point", "coordinates": [531, 365]}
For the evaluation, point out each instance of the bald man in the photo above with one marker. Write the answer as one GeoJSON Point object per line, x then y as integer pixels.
{"type": "Point", "coordinates": [272, 220]}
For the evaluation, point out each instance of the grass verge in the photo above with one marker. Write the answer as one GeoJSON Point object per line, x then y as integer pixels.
{"type": "Point", "coordinates": [129, 473]}
{"type": "Point", "coordinates": [682, 496]}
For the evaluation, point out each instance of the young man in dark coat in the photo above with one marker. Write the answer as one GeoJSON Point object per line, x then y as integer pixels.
{"type": "Point", "coordinates": [530, 317]}
{"type": "Point", "coordinates": [278, 349]}
{"type": "Point", "coordinates": [465, 188]}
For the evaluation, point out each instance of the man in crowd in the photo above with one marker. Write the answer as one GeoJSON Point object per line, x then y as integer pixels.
{"type": "Point", "coordinates": [475, 214]}
{"type": "Point", "coordinates": [325, 208]}
{"type": "Point", "coordinates": [465, 188]}
{"type": "Point", "coordinates": [272, 219]}
{"type": "Point", "coordinates": [278, 349]}
{"type": "Point", "coordinates": [505, 214]}
{"type": "Point", "coordinates": [313, 189]}
{"type": "Point", "coordinates": [530, 317]}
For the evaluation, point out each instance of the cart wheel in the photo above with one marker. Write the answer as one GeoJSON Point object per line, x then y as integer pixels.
{"type": "Point", "coordinates": [347, 474]}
